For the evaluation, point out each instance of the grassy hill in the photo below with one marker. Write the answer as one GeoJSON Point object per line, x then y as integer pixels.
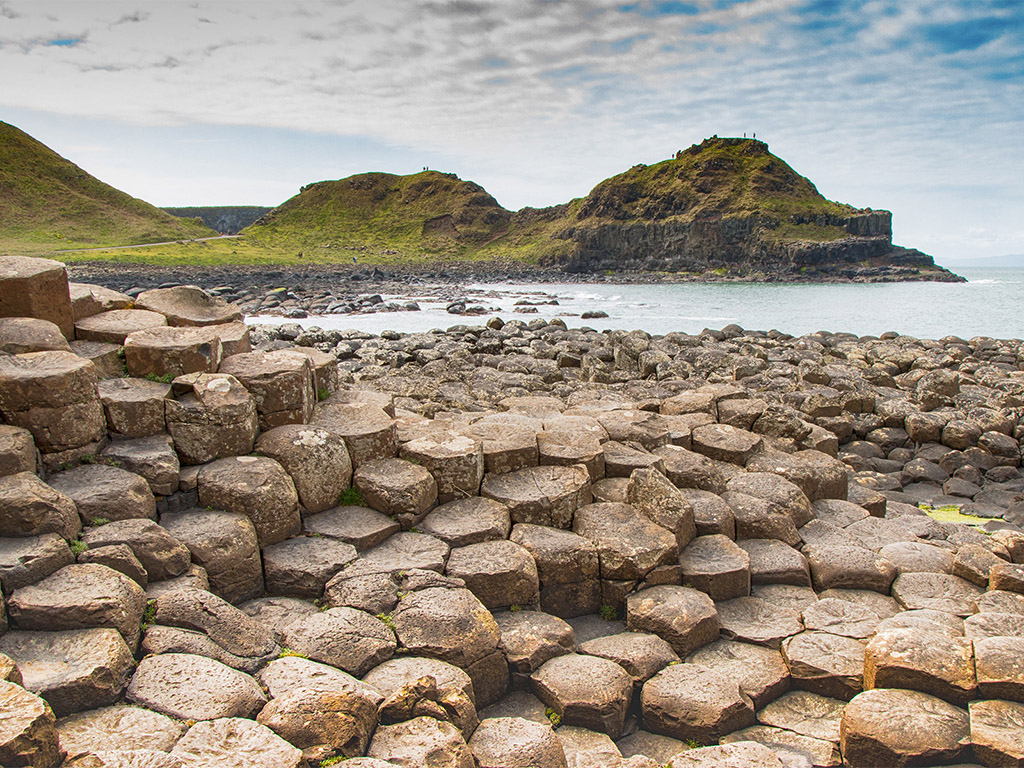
{"type": "Point", "coordinates": [48, 203]}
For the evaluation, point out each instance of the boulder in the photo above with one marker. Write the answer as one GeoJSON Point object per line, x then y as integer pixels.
{"type": "Point", "coordinates": [211, 416]}
{"type": "Point", "coordinates": [654, 496]}
{"type": "Point", "coordinates": [162, 555]}
{"type": "Point", "coordinates": [323, 724]}
{"type": "Point", "coordinates": [683, 617]}
{"type": "Point", "coordinates": [515, 742]}
{"type": "Point", "coordinates": [280, 382]}
{"type": "Point", "coordinates": [841, 617]}
{"type": "Point", "coordinates": [826, 664]}
{"type": "Point", "coordinates": [193, 687]}
{"type": "Point", "coordinates": [302, 566]}
{"type": "Point", "coordinates": [757, 518]}
{"type": "Point", "coordinates": [394, 674]}
{"type": "Point", "coordinates": [29, 334]}
{"type": "Point", "coordinates": [29, 559]}
{"type": "Point", "coordinates": [134, 407]}
{"type": "Point", "coordinates": [422, 697]}
{"type": "Point", "coordinates": [17, 451]}
{"type": "Point", "coordinates": [398, 488]}
{"type": "Point", "coordinates": [316, 460]}
{"type": "Point", "coordinates": [775, 562]}
{"type": "Point", "coordinates": [845, 567]}
{"type": "Point", "coordinates": [187, 305]}
{"type": "Point", "coordinates": [753, 620]}
{"type": "Point", "coordinates": [103, 492]}
{"type": "Point", "coordinates": [745, 754]}
{"type": "Point", "coordinates": [34, 287]}
{"type": "Point", "coordinates": [88, 300]}
{"type": "Point", "coordinates": [920, 660]}
{"type": "Point", "coordinates": [629, 546]}
{"type": "Point", "coordinates": [723, 442]}
{"type": "Point", "coordinates": [567, 566]}
{"type": "Point", "coordinates": [500, 573]}
{"type": "Point", "coordinates": [361, 527]}
{"type": "Point", "coordinates": [118, 727]}
{"type": "Point", "coordinates": [808, 714]}
{"type": "Point", "coordinates": [506, 447]}
{"type": "Point", "coordinates": [761, 672]}
{"type": "Point", "coordinates": [28, 734]}
{"type": "Point", "coordinates": [164, 351]}
{"type": "Point", "coordinates": [468, 521]}
{"type": "Point", "coordinates": [689, 702]}
{"type": "Point", "coordinates": [641, 654]}
{"type": "Point", "coordinates": [687, 469]}
{"type": "Point", "coordinates": [153, 458]}
{"type": "Point", "coordinates": [421, 741]}
{"type": "Point", "coordinates": [114, 325]}
{"type": "Point", "coordinates": [938, 591]}
{"type": "Point", "coordinates": [367, 430]}
{"type": "Point", "coordinates": [716, 566]}
{"type": "Point", "coordinates": [530, 638]}
{"type": "Point", "coordinates": [235, 742]}
{"type": "Point", "coordinates": [997, 732]}
{"type": "Point", "coordinates": [778, 490]}
{"type": "Point", "coordinates": [546, 495]}
{"type": "Point", "coordinates": [999, 667]}
{"type": "Point", "coordinates": [257, 487]}
{"type": "Point", "coordinates": [455, 461]}
{"type": "Point", "coordinates": [587, 691]}
{"type": "Point", "coordinates": [345, 638]}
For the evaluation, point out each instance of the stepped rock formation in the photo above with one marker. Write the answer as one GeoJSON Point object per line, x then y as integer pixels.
{"type": "Point", "coordinates": [531, 545]}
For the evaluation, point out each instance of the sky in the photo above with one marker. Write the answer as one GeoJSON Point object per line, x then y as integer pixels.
{"type": "Point", "coordinates": [915, 106]}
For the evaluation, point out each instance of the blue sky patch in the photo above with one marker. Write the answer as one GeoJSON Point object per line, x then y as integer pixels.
{"type": "Point", "coordinates": [968, 36]}
{"type": "Point", "coordinates": [64, 42]}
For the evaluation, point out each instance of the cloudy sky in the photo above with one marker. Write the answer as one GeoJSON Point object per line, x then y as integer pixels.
{"type": "Point", "coordinates": [912, 105]}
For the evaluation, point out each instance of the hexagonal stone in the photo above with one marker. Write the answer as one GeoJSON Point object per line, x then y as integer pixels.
{"type": "Point", "coordinates": [997, 732]}
{"type": "Point", "coordinates": [654, 496]}
{"type": "Point", "coordinates": [235, 742]}
{"type": "Point", "coordinates": [468, 521]}
{"type": "Point", "coordinates": [710, 513]}
{"type": "Point", "coordinates": [36, 288]}
{"type": "Point", "coordinates": [500, 573]}
{"type": "Point", "coordinates": [725, 443]}
{"type": "Point", "coordinates": [530, 638]}
{"type": "Point", "coordinates": [367, 430]}
{"type": "Point", "coordinates": [114, 325]}
{"type": "Point", "coordinates": [826, 664]}
{"type": "Point", "coordinates": [620, 459]}
{"type": "Point", "coordinates": [388, 678]}
{"type": "Point", "coordinates": [818, 475]}
{"type": "Point", "coordinates": [585, 690]}
{"type": "Point", "coordinates": [687, 701]}
{"type": "Point", "coordinates": [761, 672]}
{"type": "Point", "coordinates": [918, 557]}
{"type": "Point", "coordinates": [398, 488]}
{"type": "Point", "coordinates": [211, 416]}
{"type": "Point", "coordinates": [567, 565]}
{"type": "Point", "coordinates": [456, 462]}
{"type": "Point", "coordinates": [346, 638]}
{"type": "Point", "coordinates": [917, 659]}
{"type": "Point", "coordinates": [162, 555]}
{"type": "Point", "coordinates": [775, 562]}
{"type": "Point", "coordinates": [999, 667]}
{"type": "Point", "coordinates": [281, 384]}
{"type": "Point", "coordinates": [514, 742]}
{"type": "Point", "coordinates": [88, 299]}
{"type": "Point", "coordinates": [841, 617]}
{"type": "Point", "coordinates": [789, 747]}
{"type": "Point", "coordinates": [188, 305]}
{"type": "Point", "coordinates": [808, 714]}
{"type": "Point", "coordinates": [715, 565]}
{"type": "Point", "coordinates": [152, 458]}
{"type": "Point", "coordinates": [629, 546]}
{"type": "Point", "coordinates": [747, 754]}
{"type": "Point", "coordinates": [887, 726]}
{"type": "Point", "coordinates": [361, 527]}
{"type": "Point", "coordinates": [641, 654]}
{"type": "Point", "coordinates": [257, 487]}
{"type": "Point", "coordinates": [164, 351]}
{"type": "Point", "coordinates": [27, 560]}
{"type": "Point", "coordinates": [118, 727]}
{"type": "Point", "coordinates": [583, 746]}
{"type": "Point", "coordinates": [753, 620]}
{"type": "Point", "coordinates": [546, 495]}
{"type": "Point", "coordinates": [81, 597]}
{"type": "Point", "coordinates": [316, 460]}
{"type": "Point", "coordinates": [400, 552]}
{"type": "Point", "coordinates": [776, 489]}
{"type": "Point", "coordinates": [323, 724]}
{"type": "Point", "coordinates": [193, 687]}
{"type": "Point", "coordinates": [28, 735]}
{"type": "Point", "coordinates": [73, 670]}
{"type": "Point", "coordinates": [30, 507]}
{"type": "Point", "coordinates": [849, 568]}
{"type": "Point", "coordinates": [683, 617]}
{"type": "Point", "coordinates": [687, 469]}
{"type": "Point", "coordinates": [225, 544]}
{"type": "Point", "coordinates": [973, 562]}
{"type": "Point", "coordinates": [938, 591]}
{"type": "Point", "coordinates": [302, 566]}
{"type": "Point", "coordinates": [757, 518]}
{"type": "Point", "coordinates": [416, 741]}
{"type": "Point", "coordinates": [568, 446]}
{"type": "Point", "coordinates": [106, 492]}
{"type": "Point", "coordinates": [507, 447]}
{"type": "Point", "coordinates": [19, 335]}
{"type": "Point", "coordinates": [991, 624]}
{"type": "Point", "coordinates": [999, 601]}
{"type": "Point", "coordinates": [134, 407]}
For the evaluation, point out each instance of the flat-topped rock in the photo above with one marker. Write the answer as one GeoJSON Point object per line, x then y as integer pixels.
{"type": "Point", "coordinates": [17, 451]}
{"type": "Point", "coordinates": [211, 416]}
{"type": "Point", "coordinates": [162, 555]}
{"type": "Point", "coordinates": [104, 492]}
{"type": "Point", "coordinates": [134, 407]}
{"type": "Point", "coordinates": [844, 567]}
{"type": "Point", "coordinates": [683, 617]}
{"type": "Point", "coordinates": [506, 447]}
{"type": "Point", "coordinates": [568, 568]}
{"type": "Point", "coordinates": [29, 334]}
{"type": "Point", "coordinates": [567, 446]}
{"type": "Point", "coordinates": [361, 527]}
{"type": "Point", "coordinates": [194, 688]}
{"type": "Point", "coordinates": [621, 459]}
{"type": "Point", "coordinates": [302, 566]}
{"type": "Point", "coordinates": [587, 691]}
{"type": "Point", "coordinates": [641, 654]}
{"type": "Point", "coordinates": [88, 299]}
{"type": "Point", "coordinates": [826, 664]}
{"type": "Point", "coordinates": [367, 430]}
{"type": "Point", "coordinates": [761, 672]}
{"type": "Point", "coordinates": [546, 495]}
{"type": "Point", "coordinates": [468, 521]}
{"type": "Point", "coordinates": [515, 742]}
{"type": "Point", "coordinates": [346, 638]}
{"type": "Point", "coordinates": [747, 754]}
{"type": "Point", "coordinates": [414, 741]}
{"type": "Point", "coordinates": [397, 488]}
{"type": "Point", "coordinates": [281, 383]}
{"type": "Point", "coordinates": [920, 660]}
{"type": "Point", "coordinates": [389, 677]}
{"type": "Point", "coordinates": [997, 732]}
{"type": "Point", "coordinates": [500, 573]}
{"type": "Point", "coordinates": [187, 305]}
{"type": "Point", "coordinates": [28, 734]}
{"type": "Point", "coordinates": [725, 443]}
{"type": "Point", "coordinates": [687, 701]}
{"type": "Point", "coordinates": [753, 620]}
{"type": "Point", "coordinates": [26, 560]}
{"type": "Point", "coordinates": [257, 487]}
{"type": "Point", "coordinates": [34, 287]}
{"type": "Point", "coordinates": [775, 562]}
{"type": "Point", "coordinates": [530, 638]}
{"type": "Point", "coordinates": [893, 727]}
{"type": "Point", "coordinates": [629, 545]}
{"type": "Point", "coordinates": [30, 507]}
{"type": "Point", "coordinates": [938, 591]}
{"type": "Point", "coordinates": [687, 469]}
{"type": "Point", "coordinates": [165, 351]}
{"type": "Point", "coordinates": [118, 727]}
{"type": "Point", "coordinates": [715, 565]}
{"type": "Point", "coordinates": [778, 490]}
{"type": "Point", "coordinates": [758, 518]}
{"type": "Point", "coordinates": [841, 617]}
{"type": "Point", "coordinates": [808, 714]}
{"type": "Point", "coordinates": [153, 458]}
{"type": "Point", "coordinates": [114, 325]}
{"type": "Point", "coordinates": [235, 742]}
{"type": "Point", "coordinates": [455, 461]}
{"type": "Point", "coordinates": [316, 460]}
{"type": "Point", "coordinates": [818, 475]}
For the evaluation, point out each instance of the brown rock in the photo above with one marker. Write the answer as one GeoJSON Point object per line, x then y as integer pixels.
{"type": "Point", "coordinates": [88, 300]}
{"type": "Point", "coordinates": [422, 741]}
{"type": "Point", "coordinates": [134, 407]}
{"type": "Point", "coordinates": [585, 690]}
{"type": "Point", "coordinates": [997, 732]}
{"type": "Point", "coordinates": [761, 672]}
{"type": "Point", "coordinates": [683, 617]}
{"type": "Point", "coordinates": [114, 325]}
{"type": "Point", "coordinates": [28, 736]}
{"type": "Point", "coordinates": [36, 288]}
{"type": "Point", "coordinates": [316, 460]}
{"type": "Point", "coordinates": [346, 638]}
{"type": "Point", "coordinates": [29, 334]}
{"type": "Point", "coordinates": [162, 555]}
{"type": "Point", "coordinates": [257, 487]}
{"type": "Point", "coordinates": [655, 497]}
{"type": "Point", "coordinates": [29, 507]}
{"type": "Point", "coordinates": [193, 687]}
{"type": "Point", "coordinates": [152, 458]}
{"type": "Point", "coordinates": [398, 488]}
{"type": "Point", "coordinates": [103, 492]}
{"type": "Point", "coordinates": [323, 724]}
{"type": "Point", "coordinates": [715, 565]}
{"type": "Point", "coordinates": [499, 573]}
{"type": "Point", "coordinates": [367, 430]}
{"type": "Point", "coordinates": [118, 727]}
{"type": "Point", "coordinates": [211, 416]}
{"type": "Point", "coordinates": [629, 546]}
{"type": "Point", "coordinates": [17, 451]}
{"type": "Point", "coordinates": [456, 462]}
{"type": "Point", "coordinates": [187, 305]}
{"type": "Point", "coordinates": [235, 742]}
{"type": "Point", "coordinates": [687, 701]}
{"type": "Point", "coordinates": [515, 742]}
{"type": "Point", "coordinates": [546, 495]}
{"type": "Point", "coordinates": [826, 664]}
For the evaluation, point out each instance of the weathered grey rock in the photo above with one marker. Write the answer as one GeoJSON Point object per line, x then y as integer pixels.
{"type": "Point", "coordinates": [302, 566]}
{"type": "Point", "coordinates": [546, 495]}
{"type": "Point", "coordinates": [921, 660]}
{"type": "Point", "coordinates": [194, 578]}
{"type": "Point", "coordinates": [843, 567]}
{"type": "Point", "coordinates": [775, 562]}
{"type": "Point", "coordinates": [153, 458]}
{"type": "Point", "coordinates": [19, 335]}
{"type": "Point", "coordinates": [211, 416]}
{"type": "Point", "coordinates": [287, 674]}
{"type": "Point", "coordinates": [997, 732]}
{"type": "Point", "coordinates": [188, 305]}
{"type": "Point", "coordinates": [225, 544]}
{"type": "Point", "coordinates": [455, 461]}
{"type": "Point", "coordinates": [818, 475]}
{"type": "Point", "coordinates": [973, 561]}
{"type": "Point", "coordinates": [586, 691]}
{"type": "Point", "coordinates": [26, 560]}
{"type": "Point", "coordinates": [162, 555]}
{"type": "Point", "coordinates": [30, 507]}
{"type": "Point", "coordinates": [397, 488]}
{"type": "Point", "coordinates": [753, 620]}
{"type": "Point", "coordinates": [758, 518]}
{"type": "Point", "coordinates": [621, 459]}
{"type": "Point", "coordinates": [281, 384]}
{"type": "Point", "coordinates": [641, 654]}
{"type": "Point", "coordinates": [710, 514]}
{"type": "Point", "coordinates": [17, 451]}
{"type": "Point", "coordinates": [568, 568]}
{"type": "Point", "coordinates": [163, 351]}
{"type": "Point", "coordinates": [235, 742]}
{"type": "Point", "coordinates": [746, 754]}
{"type": "Point", "coordinates": [655, 497]}
{"type": "Point", "coordinates": [566, 447]}
{"type": "Point", "coordinates": [500, 573]}
{"type": "Point", "coordinates": [683, 617]}
{"type": "Point", "coordinates": [80, 597]}
{"type": "Point", "coordinates": [316, 460]}
{"type": "Point", "coordinates": [841, 617]}
{"type": "Point", "coordinates": [938, 591]}
{"type": "Point", "coordinates": [276, 613]}
{"type": "Point", "coordinates": [468, 521]}
{"type": "Point", "coordinates": [256, 487]}
{"type": "Point", "coordinates": [826, 664]}
{"type": "Point", "coordinates": [715, 565]}
{"type": "Point", "coordinates": [999, 667]}
{"type": "Point", "coordinates": [193, 687]}
{"type": "Point", "coordinates": [362, 527]}
{"type": "Point", "coordinates": [687, 701]}
{"type": "Point", "coordinates": [422, 697]}
{"type": "Point", "coordinates": [761, 672]}
{"type": "Point", "coordinates": [74, 670]}
{"type": "Point", "coordinates": [421, 741]}
{"type": "Point", "coordinates": [402, 551]}
{"type": "Point", "coordinates": [991, 624]}
{"type": "Point", "coordinates": [389, 678]}
{"type": "Point", "coordinates": [134, 407]}
{"type": "Point", "coordinates": [114, 325]}
{"type": "Point", "coordinates": [776, 489]}
{"type": "Point", "coordinates": [346, 638]}
{"type": "Point", "coordinates": [629, 546]}
{"type": "Point", "coordinates": [805, 713]}
{"type": "Point", "coordinates": [893, 727]}
{"type": "Point", "coordinates": [725, 443]}
{"type": "Point", "coordinates": [28, 735]}
{"type": "Point", "coordinates": [368, 431]}
{"type": "Point", "coordinates": [106, 492]}
{"type": "Point", "coordinates": [917, 557]}
{"type": "Point", "coordinates": [687, 469]}
{"type": "Point", "coordinates": [506, 447]}
{"type": "Point", "coordinates": [999, 601]}
{"type": "Point", "coordinates": [515, 742]}
{"type": "Point", "coordinates": [530, 638]}
{"type": "Point", "coordinates": [323, 724]}
{"type": "Point", "coordinates": [583, 746]}
{"type": "Point", "coordinates": [118, 727]}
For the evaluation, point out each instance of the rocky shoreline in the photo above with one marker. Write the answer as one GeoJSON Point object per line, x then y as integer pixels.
{"type": "Point", "coordinates": [506, 544]}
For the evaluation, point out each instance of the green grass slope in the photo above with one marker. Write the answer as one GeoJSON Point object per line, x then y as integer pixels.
{"type": "Point", "coordinates": [48, 203]}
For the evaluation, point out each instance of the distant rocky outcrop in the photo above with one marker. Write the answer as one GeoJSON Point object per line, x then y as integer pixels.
{"type": "Point", "coordinates": [226, 219]}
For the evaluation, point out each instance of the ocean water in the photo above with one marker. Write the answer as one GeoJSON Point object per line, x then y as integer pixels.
{"type": "Point", "coordinates": [991, 303]}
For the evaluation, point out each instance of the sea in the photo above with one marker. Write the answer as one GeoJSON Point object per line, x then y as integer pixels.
{"type": "Point", "coordinates": [990, 304]}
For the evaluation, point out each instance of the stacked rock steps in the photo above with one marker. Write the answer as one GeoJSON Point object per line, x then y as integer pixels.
{"type": "Point", "coordinates": [598, 549]}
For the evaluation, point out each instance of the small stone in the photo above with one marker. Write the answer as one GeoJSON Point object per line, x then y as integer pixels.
{"type": "Point", "coordinates": [421, 741]}
{"type": "Point", "coordinates": [514, 742]}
